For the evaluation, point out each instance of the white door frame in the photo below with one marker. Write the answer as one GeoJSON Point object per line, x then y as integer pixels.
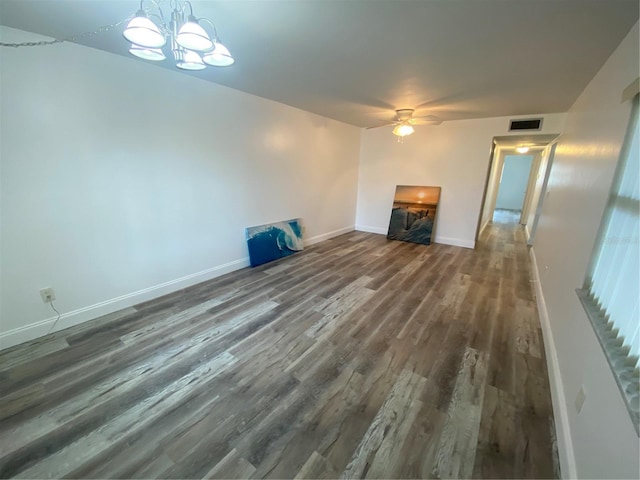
{"type": "Point", "coordinates": [543, 193]}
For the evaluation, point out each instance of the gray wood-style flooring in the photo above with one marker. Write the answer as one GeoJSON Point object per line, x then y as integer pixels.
{"type": "Point", "coordinates": [357, 358]}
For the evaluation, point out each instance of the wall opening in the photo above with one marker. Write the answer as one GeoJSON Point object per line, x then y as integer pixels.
{"type": "Point", "coordinates": [512, 188]}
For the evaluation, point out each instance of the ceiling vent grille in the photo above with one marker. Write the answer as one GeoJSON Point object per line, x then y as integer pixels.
{"type": "Point", "coordinates": [527, 124]}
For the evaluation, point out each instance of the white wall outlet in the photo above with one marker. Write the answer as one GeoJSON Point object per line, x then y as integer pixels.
{"type": "Point", "coordinates": [580, 398]}
{"type": "Point", "coordinates": [48, 295]}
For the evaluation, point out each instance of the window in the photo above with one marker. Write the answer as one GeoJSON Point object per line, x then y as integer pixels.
{"type": "Point", "coordinates": [611, 290]}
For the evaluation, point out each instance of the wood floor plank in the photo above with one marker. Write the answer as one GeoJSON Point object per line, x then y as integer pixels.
{"type": "Point", "coordinates": [37, 349]}
{"type": "Point", "coordinates": [316, 466]}
{"type": "Point", "coordinates": [457, 450]}
{"type": "Point", "coordinates": [232, 466]}
{"type": "Point", "coordinates": [358, 357]}
{"type": "Point", "coordinates": [398, 408]}
{"type": "Point", "coordinates": [150, 409]}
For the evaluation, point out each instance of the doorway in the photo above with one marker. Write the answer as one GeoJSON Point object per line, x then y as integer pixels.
{"type": "Point", "coordinates": [512, 188]}
{"type": "Point", "coordinates": [518, 204]}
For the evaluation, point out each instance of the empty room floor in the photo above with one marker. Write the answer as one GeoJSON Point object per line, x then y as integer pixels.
{"type": "Point", "coordinates": [359, 357]}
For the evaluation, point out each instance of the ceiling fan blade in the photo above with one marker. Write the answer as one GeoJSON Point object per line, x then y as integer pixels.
{"type": "Point", "coordinates": [426, 120]}
{"type": "Point", "coordinates": [417, 121]}
{"type": "Point", "coordinates": [383, 125]}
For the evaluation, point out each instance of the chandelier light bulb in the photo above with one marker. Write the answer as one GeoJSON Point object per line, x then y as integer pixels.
{"type": "Point", "coordinates": [142, 31]}
{"type": "Point", "coordinates": [219, 56]}
{"type": "Point", "coordinates": [191, 61]}
{"type": "Point", "coordinates": [153, 54]}
{"type": "Point", "coordinates": [193, 37]}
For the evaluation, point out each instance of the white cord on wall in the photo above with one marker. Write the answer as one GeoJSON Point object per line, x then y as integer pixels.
{"type": "Point", "coordinates": [56, 322]}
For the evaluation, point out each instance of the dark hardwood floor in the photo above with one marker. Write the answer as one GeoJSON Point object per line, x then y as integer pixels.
{"type": "Point", "coordinates": [359, 357]}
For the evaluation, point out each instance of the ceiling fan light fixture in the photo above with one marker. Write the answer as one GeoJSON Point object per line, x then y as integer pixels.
{"type": "Point", "coordinates": [142, 31]}
{"type": "Point", "coordinates": [405, 121]}
{"type": "Point", "coordinates": [522, 149]}
{"type": "Point", "coordinates": [403, 130]}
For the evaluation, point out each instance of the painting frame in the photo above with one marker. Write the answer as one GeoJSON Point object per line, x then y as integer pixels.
{"type": "Point", "coordinates": [413, 213]}
{"type": "Point", "coordinates": [272, 241]}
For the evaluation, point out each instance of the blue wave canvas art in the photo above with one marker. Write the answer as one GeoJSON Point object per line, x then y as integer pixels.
{"type": "Point", "coordinates": [273, 241]}
{"type": "Point", "coordinates": [413, 214]}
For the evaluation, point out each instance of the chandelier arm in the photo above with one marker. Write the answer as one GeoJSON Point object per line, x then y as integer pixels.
{"type": "Point", "coordinates": [163, 26]}
{"type": "Point", "coordinates": [213, 25]}
{"type": "Point", "coordinates": [175, 4]}
{"type": "Point", "coordinates": [158, 7]}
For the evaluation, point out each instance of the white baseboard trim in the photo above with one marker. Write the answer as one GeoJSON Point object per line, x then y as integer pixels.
{"type": "Point", "coordinates": [456, 242]}
{"type": "Point", "coordinates": [365, 228]}
{"type": "Point", "coordinates": [327, 236]}
{"type": "Point", "coordinates": [560, 414]}
{"type": "Point", "coordinates": [80, 315]}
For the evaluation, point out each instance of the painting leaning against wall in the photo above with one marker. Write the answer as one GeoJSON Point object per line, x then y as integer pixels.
{"type": "Point", "coordinates": [273, 241]}
{"type": "Point", "coordinates": [413, 214]}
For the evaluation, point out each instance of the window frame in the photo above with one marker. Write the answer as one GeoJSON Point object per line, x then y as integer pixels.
{"type": "Point", "coordinates": [625, 367]}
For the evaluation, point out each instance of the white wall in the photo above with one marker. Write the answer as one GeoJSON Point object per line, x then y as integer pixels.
{"type": "Point", "coordinates": [515, 179]}
{"type": "Point", "coordinates": [601, 438]}
{"type": "Point", "coordinates": [122, 181]}
{"type": "Point", "coordinates": [454, 156]}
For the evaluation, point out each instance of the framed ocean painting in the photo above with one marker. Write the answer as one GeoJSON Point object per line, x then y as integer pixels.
{"type": "Point", "coordinates": [273, 241]}
{"type": "Point", "coordinates": [413, 214]}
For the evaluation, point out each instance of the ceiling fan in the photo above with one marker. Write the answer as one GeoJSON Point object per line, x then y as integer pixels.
{"type": "Point", "coordinates": [405, 121]}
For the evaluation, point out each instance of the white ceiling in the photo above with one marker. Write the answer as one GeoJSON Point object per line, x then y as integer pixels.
{"type": "Point", "coordinates": [358, 60]}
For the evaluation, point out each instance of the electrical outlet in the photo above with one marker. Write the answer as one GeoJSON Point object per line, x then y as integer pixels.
{"type": "Point", "coordinates": [48, 295]}
{"type": "Point", "coordinates": [580, 398]}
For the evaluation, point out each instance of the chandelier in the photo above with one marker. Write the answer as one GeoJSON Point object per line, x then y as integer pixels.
{"type": "Point", "coordinates": [192, 47]}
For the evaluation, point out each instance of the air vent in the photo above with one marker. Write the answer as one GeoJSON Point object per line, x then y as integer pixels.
{"type": "Point", "coordinates": [528, 124]}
